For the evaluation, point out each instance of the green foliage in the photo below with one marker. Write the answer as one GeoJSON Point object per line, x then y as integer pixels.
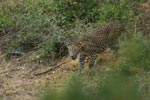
{"type": "Point", "coordinates": [72, 92]}
{"type": "Point", "coordinates": [114, 87]}
{"type": "Point", "coordinates": [40, 24]}
{"type": "Point", "coordinates": [67, 11]}
{"type": "Point", "coordinates": [28, 23]}
{"type": "Point", "coordinates": [49, 16]}
{"type": "Point", "coordinates": [136, 51]}
{"type": "Point", "coordinates": [52, 49]}
{"type": "Point", "coordinates": [119, 87]}
{"type": "Point", "coordinates": [115, 11]}
{"type": "Point", "coordinates": [25, 41]}
{"type": "Point", "coordinates": [7, 56]}
{"type": "Point", "coordinates": [30, 15]}
{"type": "Point", "coordinates": [75, 90]}
{"type": "Point", "coordinates": [5, 21]}
{"type": "Point", "coordinates": [51, 94]}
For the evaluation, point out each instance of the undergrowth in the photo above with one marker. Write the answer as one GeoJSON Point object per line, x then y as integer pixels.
{"type": "Point", "coordinates": [44, 26]}
{"type": "Point", "coordinates": [23, 21]}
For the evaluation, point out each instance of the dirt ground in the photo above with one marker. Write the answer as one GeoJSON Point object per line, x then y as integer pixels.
{"type": "Point", "coordinates": [18, 82]}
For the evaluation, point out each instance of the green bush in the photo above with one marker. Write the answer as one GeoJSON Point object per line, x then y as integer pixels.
{"type": "Point", "coordinates": [115, 10]}
{"type": "Point", "coordinates": [119, 87]}
{"type": "Point", "coordinates": [136, 51]}
{"type": "Point", "coordinates": [72, 92]}
{"type": "Point", "coordinates": [25, 41]}
{"type": "Point", "coordinates": [5, 21]}
{"type": "Point", "coordinates": [52, 49]}
{"type": "Point", "coordinates": [114, 87]}
{"type": "Point", "coordinates": [49, 16]}
{"type": "Point", "coordinates": [67, 11]}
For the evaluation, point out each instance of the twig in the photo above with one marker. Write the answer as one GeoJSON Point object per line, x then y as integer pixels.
{"type": "Point", "coordinates": [17, 53]}
{"type": "Point", "coordinates": [51, 68]}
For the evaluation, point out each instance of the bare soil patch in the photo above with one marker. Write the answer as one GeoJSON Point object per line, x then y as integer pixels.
{"type": "Point", "coordinates": [17, 80]}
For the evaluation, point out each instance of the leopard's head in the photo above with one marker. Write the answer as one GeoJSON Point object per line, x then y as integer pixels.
{"type": "Point", "coordinates": [73, 50]}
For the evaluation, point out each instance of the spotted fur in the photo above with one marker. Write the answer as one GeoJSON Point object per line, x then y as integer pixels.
{"type": "Point", "coordinates": [89, 45]}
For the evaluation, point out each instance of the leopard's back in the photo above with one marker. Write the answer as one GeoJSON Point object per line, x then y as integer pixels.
{"type": "Point", "coordinates": [97, 41]}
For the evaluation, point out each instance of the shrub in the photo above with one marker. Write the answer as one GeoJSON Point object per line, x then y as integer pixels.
{"type": "Point", "coordinates": [67, 11]}
{"type": "Point", "coordinates": [115, 10]}
{"type": "Point", "coordinates": [119, 87]}
{"type": "Point", "coordinates": [136, 51]}
{"type": "Point", "coordinates": [52, 49]}
{"type": "Point", "coordinates": [25, 41]}
{"type": "Point", "coordinates": [114, 87]}
{"type": "Point", "coordinates": [72, 92]}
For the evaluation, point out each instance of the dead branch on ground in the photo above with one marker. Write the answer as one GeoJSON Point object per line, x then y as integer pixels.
{"type": "Point", "coordinates": [51, 68]}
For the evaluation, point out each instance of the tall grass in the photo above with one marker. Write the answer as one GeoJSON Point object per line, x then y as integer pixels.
{"type": "Point", "coordinates": [114, 87]}
{"type": "Point", "coordinates": [135, 51]}
{"type": "Point", "coordinates": [73, 91]}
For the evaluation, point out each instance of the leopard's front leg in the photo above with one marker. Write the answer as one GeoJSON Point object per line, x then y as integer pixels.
{"type": "Point", "coordinates": [81, 62]}
{"type": "Point", "coordinates": [92, 60]}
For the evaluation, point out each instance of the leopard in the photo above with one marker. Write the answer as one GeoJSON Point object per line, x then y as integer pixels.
{"type": "Point", "coordinates": [96, 42]}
